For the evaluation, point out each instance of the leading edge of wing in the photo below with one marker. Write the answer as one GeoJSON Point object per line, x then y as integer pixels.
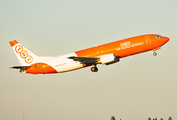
{"type": "Point", "coordinates": [85, 60]}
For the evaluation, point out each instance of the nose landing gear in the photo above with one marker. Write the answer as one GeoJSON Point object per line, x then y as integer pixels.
{"type": "Point", "coordinates": [94, 68]}
{"type": "Point", "coordinates": [154, 53]}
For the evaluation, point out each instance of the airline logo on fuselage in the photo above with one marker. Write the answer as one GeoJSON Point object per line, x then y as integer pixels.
{"type": "Point", "coordinates": [24, 54]}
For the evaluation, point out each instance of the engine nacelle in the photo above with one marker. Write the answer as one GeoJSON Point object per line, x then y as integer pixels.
{"type": "Point", "coordinates": [108, 59]}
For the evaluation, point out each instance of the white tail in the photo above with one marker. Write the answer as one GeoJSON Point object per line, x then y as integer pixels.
{"type": "Point", "coordinates": [25, 56]}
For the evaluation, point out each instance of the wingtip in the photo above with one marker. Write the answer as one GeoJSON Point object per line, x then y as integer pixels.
{"type": "Point", "coordinates": [12, 43]}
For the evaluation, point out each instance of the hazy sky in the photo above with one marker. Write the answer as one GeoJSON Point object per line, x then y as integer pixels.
{"type": "Point", "coordinates": [136, 88]}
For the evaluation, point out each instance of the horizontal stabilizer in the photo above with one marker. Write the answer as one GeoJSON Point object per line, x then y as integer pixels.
{"type": "Point", "coordinates": [21, 67]}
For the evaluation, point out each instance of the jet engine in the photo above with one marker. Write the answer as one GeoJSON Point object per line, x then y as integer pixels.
{"type": "Point", "coordinates": [108, 59]}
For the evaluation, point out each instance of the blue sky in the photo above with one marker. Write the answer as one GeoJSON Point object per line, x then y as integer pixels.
{"type": "Point", "coordinates": [137, 87]}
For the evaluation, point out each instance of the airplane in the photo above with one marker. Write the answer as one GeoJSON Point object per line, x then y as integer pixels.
{"type": "Point", "coordinates": [105, 54]}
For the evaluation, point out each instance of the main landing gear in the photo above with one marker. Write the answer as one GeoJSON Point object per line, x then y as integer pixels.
{"type": "Point", "coordinates": [94, 68]}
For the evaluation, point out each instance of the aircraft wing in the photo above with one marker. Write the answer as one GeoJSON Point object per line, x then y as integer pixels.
{"type": "Point", "coordinates": [21, 67]}
{"type": "Point", "coordinates": [85, 60]}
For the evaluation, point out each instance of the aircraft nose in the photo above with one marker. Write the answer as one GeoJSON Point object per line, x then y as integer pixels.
{"type": "Point", "coordinates": [165, 39]}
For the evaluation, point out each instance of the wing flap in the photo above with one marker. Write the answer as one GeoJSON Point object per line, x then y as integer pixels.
{"type": "Point", "coordinates": [85, 60]}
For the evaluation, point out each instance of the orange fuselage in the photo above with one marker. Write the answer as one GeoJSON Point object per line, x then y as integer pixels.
{"type": "Point", "coordinates": [126, 47]}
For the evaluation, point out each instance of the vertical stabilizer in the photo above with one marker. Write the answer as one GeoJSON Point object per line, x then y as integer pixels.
{"type": "Point", "coordinates": [25, 56]}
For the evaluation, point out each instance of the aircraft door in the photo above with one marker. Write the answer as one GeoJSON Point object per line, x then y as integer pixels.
{"type": "Point", "coordinates": [148, 40]}
{"type": "Point", "coordinates": [151, 41]}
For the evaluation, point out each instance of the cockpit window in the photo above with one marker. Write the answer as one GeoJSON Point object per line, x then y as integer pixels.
{"type": "Point", "coordinates": [157, 36]}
